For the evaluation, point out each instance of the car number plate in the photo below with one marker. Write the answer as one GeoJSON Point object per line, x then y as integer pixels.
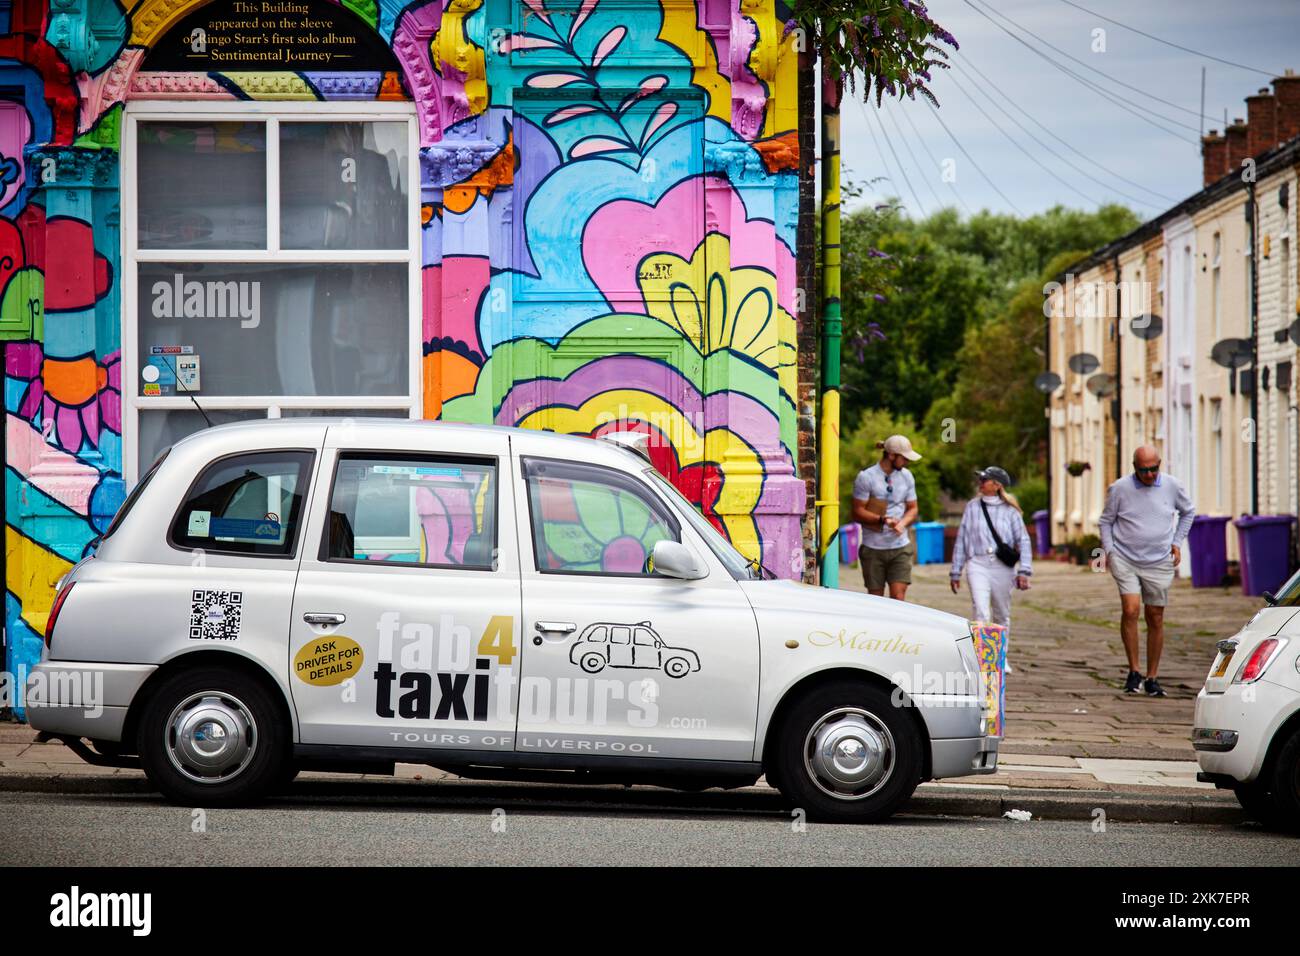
{"type": "Point", "coordinates": [1224, 661]}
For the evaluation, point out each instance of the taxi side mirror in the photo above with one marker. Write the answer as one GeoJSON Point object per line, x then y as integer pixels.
{"type": "Point", "coordinates": [672, 559]}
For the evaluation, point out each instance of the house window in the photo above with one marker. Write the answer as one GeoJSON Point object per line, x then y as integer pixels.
{"type": "Point", "coordinates": [271, 263]}
{"type": "Point", "coordinates": [1216, 439]}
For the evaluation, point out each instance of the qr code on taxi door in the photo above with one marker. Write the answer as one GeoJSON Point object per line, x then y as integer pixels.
{"type": "Point", "coordinates": [215, 615]}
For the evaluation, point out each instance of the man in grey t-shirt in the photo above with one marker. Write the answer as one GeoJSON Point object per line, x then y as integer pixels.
{"type": "Point", "coordinates": [884, 503]}
{"type": "Point", "coordinates": [1143, 526]}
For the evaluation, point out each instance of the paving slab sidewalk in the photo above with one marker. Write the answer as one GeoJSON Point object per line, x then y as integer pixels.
{"type": "Point", "coordinates": [1070, 726]}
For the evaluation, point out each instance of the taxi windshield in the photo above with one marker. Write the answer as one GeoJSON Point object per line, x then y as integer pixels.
{"type": "Point", "coordinates": [741, 567]}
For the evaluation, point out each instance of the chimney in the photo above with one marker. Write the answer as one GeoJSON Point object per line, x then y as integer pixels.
{"type": "Point", "coordinates": [1235, 137]}
{"type": "Point", "coordinates": [1286, 94]}
{"type": "Point", "coordinates": [1261, 123]}
{"type": "Point", "coordinates": [1214, 154]}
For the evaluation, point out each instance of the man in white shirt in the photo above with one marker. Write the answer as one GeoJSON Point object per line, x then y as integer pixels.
{"type": "Point", "coordinates": [884, 503]}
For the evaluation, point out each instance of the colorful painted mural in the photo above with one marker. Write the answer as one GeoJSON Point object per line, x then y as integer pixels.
{"type": "Point", "coordinates": [609, 204]}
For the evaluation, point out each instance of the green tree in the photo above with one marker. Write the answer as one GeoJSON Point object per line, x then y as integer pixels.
{"type": "Point", "coordinates": [994, 415]}
{"type": "Point", "coordinates": [858, 451]}
{"type": "Point", "coordinates": [950, 337]}
{"type": "Point", "coordinates": [903, 328]}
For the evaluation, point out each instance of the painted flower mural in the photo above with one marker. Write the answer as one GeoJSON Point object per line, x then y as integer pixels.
{"type": "Point", "coordinates": [608, 208]}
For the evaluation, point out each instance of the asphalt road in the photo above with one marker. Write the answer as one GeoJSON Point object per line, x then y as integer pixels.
{"type": "Point", "coordinates": [485, 824]}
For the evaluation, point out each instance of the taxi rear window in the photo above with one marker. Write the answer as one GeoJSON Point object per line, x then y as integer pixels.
{"type": "Point", "coordinates": [249, 503]}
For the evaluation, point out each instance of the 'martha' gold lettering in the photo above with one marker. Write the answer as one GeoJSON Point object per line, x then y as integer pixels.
{"type": "Point", "coordinates": [862, 642]}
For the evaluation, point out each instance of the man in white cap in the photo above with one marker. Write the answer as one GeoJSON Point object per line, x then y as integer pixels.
{"type": "Point", "coordinates": [884, 503]}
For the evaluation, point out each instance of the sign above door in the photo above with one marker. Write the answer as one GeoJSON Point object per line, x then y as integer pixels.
{"type": "Point", "coordinates": [299, 35]}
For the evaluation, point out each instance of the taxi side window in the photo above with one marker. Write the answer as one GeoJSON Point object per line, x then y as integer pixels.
{"type": "Point", "coordinates": [413, 509]}
{"type": "Point", "coordinates": [592, 520]}
{"type": "Point", "coordinates": [246, 504]}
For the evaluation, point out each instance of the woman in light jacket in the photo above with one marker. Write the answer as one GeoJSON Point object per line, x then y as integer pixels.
{"type": "Point", "coordinates": [991, 581]}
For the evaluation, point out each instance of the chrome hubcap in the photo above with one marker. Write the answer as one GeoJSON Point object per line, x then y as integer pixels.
{"type": "Point", "coordinates": [849, 753]}
{"type": "Point", "coordinates": [211, 737]}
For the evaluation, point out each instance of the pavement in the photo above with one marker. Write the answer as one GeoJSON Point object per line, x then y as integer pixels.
{"type": "Point", "coordinates": [1070, 728]}
{"type": "Point", "coordinates": [1075, 744]}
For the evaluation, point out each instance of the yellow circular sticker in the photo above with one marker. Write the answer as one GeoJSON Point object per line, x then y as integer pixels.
{"type": "Point", "coordinates": [327, 661]}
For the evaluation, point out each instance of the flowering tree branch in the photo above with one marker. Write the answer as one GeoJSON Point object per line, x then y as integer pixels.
{"type": "Point", "coordinates": [892, 42]}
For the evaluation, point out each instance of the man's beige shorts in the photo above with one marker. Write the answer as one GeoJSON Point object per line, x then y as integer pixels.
{"type": "Point", "coordinates": [881, 566]}
{"type": "Point", "coordinates": [1152, 581]}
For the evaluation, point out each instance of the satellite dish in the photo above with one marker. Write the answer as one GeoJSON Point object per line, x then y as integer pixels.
{"type": "Point", "coordinates": [1047, 382]}
{"type": "Point", "coordinates": [1231, 353]}
{"type": "Point", "coordinates": [1102, 384]}
{"type": "Point", "coordinates": [1084, 363]}
{"type": "Point", "coordinates": [1147, 326]}
{"type": "Point", "coordinates": [1294, 331]}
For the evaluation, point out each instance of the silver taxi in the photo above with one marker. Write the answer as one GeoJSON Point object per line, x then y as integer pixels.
{"type": "Point", "coordinates": [295, 594]}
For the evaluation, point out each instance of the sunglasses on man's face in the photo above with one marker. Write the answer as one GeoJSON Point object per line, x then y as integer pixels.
{"type": "Point", "coordinates": [1147, 471]}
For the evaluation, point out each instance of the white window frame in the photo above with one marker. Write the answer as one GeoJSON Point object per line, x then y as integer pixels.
{"type": "Point", "coordinates": [272, 113]}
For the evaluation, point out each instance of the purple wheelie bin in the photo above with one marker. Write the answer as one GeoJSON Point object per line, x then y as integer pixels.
{"type": "Point", "coordinates": [1264, 542]}
{"type": "Point", "coordinates": [1042, 534]}
{"type": "Point", "coordinates": [1208, 543]}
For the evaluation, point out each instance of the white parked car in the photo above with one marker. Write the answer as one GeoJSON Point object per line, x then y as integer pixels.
{"type": "Point", "coordinates": [1247, 726]}
{"type": "Point", "coordinates": [346, 595]}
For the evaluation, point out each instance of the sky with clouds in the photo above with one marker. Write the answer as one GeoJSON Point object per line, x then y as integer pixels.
{"type": "Point", "coordinates": [1008, 82]}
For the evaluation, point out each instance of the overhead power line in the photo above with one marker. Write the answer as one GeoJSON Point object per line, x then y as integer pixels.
{"type": "Point", "coordinates": [897, 162]}
{"type": "Point", "coordinates": [1110, 187]}
{"type": "Point", "coordinates": [880, 151]}
{"type": "Point", "coordinates": [1176, 46]}
{"type": "Point", "coordinates": [1048, 130]}
{"type": "Point", "coordinates": [957, 142]}
{"type": "Point", "coordinates": [921, 139]}
{"type": "Point", "coordinates": [1139, 112]}
{"type": "Point", "coordinates": [927, 178]}
{"type": "Point", "coordinates": [1102, 73]}
{"type": "Point", "coordinates": [1014, 142]}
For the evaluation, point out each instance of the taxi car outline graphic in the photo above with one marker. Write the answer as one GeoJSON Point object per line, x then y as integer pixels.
{"type": "Point", "coordinates": [1246, 723]}
{"type": "Point", "coordinates": [594, 650]}
{"type": "Point", "coordinates": [455, 557]}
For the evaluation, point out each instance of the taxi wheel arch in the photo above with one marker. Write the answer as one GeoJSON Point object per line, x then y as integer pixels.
{"type": "Point", "coordinates": [270, 767]}
{"type": "Point", "coordinates": [187, 662]}
{"type": "Point", "coordinates": [806, 686]}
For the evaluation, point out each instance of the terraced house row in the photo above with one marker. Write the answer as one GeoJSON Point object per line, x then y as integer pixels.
{"type": "Point", "coordinates": [1183, 334]}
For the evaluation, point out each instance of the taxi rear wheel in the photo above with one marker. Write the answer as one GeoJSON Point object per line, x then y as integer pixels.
{"type": "Point", "coordinates": [1286, 783]}
{"type": "Point", "coordinates": [212, 737]}
{"type": "Point", "coordinates": [846, 754]}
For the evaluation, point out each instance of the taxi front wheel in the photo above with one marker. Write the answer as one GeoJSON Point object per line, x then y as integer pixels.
{"type": "Point", "coordinates": [212, 737]}
{"type": "Point", "coordinates": [846, 754]}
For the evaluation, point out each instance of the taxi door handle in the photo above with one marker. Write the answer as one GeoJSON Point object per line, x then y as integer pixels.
{"type": "Point", "coordinates": [321, 619]}
{"type": "Point", "coordinates": [555, 627]}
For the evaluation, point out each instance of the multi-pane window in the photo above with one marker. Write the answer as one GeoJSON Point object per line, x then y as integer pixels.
{"type": "Point", "coordinates": [272, 260]}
